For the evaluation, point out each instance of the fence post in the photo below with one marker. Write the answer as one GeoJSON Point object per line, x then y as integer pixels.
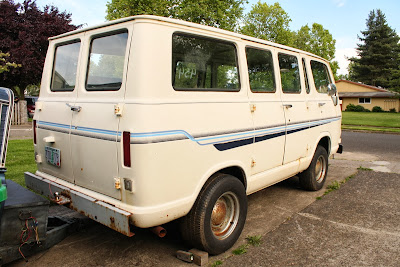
{"type": "Point", "coordinates": [20, 113]}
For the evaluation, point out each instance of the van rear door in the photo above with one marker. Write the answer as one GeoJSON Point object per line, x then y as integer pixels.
{"type": "Point", "coordinates": [53, 114]}
{"type": "Point", "coordinates": [95, 122]}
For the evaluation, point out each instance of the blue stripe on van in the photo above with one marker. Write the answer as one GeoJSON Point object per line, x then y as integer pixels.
{"type": "Point", "coordinates": [221, 142]}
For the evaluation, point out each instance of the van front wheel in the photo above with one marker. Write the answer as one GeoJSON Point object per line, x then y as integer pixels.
{"type": "Point", "coordinates": [216, 220]}
{"type": "Point", "coordinates": [313, 178]}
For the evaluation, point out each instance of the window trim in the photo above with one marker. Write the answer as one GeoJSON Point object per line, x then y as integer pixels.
{"type": "Point", "coordinates": [306, 79]}
{"type": "Point", "coordinates": [273, 68]}
{"type": "Point", "coordinates": [101, 35]}
{"type": "Point", "coordinates": [280, 74]}
{"type": "Point", "coordinates": [365, 98]}
{"type": "Point", "coordinates": [181, 33]}
{"type": "Point", "coordinates": [77, 40]}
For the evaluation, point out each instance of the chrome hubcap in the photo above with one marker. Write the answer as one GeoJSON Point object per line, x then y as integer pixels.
{"type": "Point", "coordinates": [320, 169]}
{"type": "Point", "coordinates": [225, 215]}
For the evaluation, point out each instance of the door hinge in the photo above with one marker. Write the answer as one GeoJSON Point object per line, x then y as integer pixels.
{"type": "Point", "coordinates": [253, 107]}
{"type": "Point", "coordinates": [253, 162]}
{"type": "Point", "coordinates": [117, 183]}
{"type": "Point", "coordinates": [118, 109]}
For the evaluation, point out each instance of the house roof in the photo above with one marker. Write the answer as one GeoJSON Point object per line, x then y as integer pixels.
{"type": "Point", "coordinates": [378, 91]}
{"type": "Point", "coordinates": [367, 94]}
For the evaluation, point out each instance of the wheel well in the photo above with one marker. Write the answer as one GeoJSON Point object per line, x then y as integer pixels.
{"type": "Point", "coordinates": [325, 142]}
{"type": "Point", "coordinates": [237, 172]}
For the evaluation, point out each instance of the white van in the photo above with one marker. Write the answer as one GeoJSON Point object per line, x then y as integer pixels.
{"type": "Point", "coordinates": [144, 120]}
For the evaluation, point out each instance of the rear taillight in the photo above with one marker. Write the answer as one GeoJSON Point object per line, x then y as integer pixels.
{"type": "Point", "coordinates": [34, 131]}
{"type": "Point", "coordinates": [126, 144]}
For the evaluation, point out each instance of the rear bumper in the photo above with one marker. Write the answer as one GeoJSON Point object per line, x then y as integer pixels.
{"type": "Point", "coordinates": [104, 213]}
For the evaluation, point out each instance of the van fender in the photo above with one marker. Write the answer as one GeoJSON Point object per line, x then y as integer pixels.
{"type": "Point", "coordinates": [211, 171]}
{"type": "Point", "coordinates": [329, 144]}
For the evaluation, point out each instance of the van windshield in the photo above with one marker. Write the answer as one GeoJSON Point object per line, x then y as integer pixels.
{"type": "Point", "coordinates": [106, 62]}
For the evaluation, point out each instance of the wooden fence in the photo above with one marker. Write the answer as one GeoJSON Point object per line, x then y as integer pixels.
{"type": "Point", "coordinates": [20, 114]}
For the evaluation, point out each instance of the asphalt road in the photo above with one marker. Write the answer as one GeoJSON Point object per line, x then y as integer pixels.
{"type": "Point", "coordinates": [386, 146]}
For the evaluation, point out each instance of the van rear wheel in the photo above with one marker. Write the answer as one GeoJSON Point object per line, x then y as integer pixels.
{"type": "Point", "coordinates": [313, 178]}
{"type": "Point", "coordinates": [216, 220]}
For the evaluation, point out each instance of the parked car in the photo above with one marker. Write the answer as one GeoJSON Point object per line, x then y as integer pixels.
{"type": "Point", "coordinates": [30, 105]}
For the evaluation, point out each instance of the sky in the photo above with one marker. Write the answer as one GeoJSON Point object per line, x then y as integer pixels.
{"type": "Point", "coordinates": [345, 19]}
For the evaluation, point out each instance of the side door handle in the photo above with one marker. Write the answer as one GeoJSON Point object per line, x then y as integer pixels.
{"type": "Point", "coordinates": [288, 105]}
{"type": "Point", "coordinates": [74, 108]}
{"type": "Point", "coordinates": [320, 104]}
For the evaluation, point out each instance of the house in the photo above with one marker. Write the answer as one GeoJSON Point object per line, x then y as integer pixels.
{"type": "Point", "coordinates": [367, 96]}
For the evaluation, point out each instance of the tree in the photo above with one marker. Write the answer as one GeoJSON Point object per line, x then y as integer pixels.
{"type": "Point", "coordinates": [4, 64]}
{"type": "Point", "coordinates": [316, 40]}
{"type": "Point", "coordinates": [319, 41]}
{"type": "Point", "coordinates": [223, 14]}
{"type": "Point", "coordinates": [378, 54]}
{"type": "Point", "coordinates": [268, 22]}
{"type": "Point", "coordinates": [24, 33]}
{"type": "Point", "coordinates": [124, 8]}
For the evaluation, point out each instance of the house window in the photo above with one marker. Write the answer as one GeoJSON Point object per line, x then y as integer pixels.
{"type": "Point", "coordinates": [364, 100]}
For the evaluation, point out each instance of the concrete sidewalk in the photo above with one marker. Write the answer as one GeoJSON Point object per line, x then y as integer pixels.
{"type": "Point", "coordinates": [21, 132]}
{"type": "Point", "coordinates": [357, 225]}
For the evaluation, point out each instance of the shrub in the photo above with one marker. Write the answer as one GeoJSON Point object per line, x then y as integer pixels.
{"type": "Point", "coordinates": [377, 109]}
{"type": "Point", "coordinates": [358, 108]}
{"type": "Point", "coordinates": [392, 110]}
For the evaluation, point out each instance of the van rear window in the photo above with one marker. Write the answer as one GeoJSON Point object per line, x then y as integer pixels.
{"type": "Point", "coordinates": [202, 64]}
{"type": "Point", "coordinates": [106, 62]}
{"type": "Point", "coordinates": [65, 67]}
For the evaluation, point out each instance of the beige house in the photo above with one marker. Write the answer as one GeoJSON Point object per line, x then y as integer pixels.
{"type": "Point", "coordinates": [367, 96]}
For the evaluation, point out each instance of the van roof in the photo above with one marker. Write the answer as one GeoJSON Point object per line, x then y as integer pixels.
{"type": "Point", "coordinates": [189, 24]}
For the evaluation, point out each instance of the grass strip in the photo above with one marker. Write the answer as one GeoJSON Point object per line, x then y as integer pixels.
{"type": "Point", "coordinates": [20, 159]}
{"type": "Point", "coordinates": [378, 119]}
{"type": "Point", "coordinates": [371, 128]}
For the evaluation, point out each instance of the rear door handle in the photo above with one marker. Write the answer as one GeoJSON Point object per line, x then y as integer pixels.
{"type": "Point", "coordinates": [74, 108]}
{"type": "Point", "coordinates": [288, 105]}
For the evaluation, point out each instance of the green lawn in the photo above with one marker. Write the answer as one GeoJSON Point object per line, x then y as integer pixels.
{"type": "Point", "coordinates": [377, 119]}
{"type": "Point", "coordinates": [20, 159]}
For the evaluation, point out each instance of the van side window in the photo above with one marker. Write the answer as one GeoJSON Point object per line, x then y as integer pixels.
{"type": "Point", "coordinates": [203, 64]}
{"type": "Point", "coordinates": [321, 76]}
{"type": "Point", "coordinates": [305, 76]}
{"type": "Point", "coordinates": [290, 76]}
{"type": "Point", "coordinates": [65, 67]}
{"type": "Point", "coordinates": [106, 62]}
{"type": "Point", "coordinates": [261, 70]}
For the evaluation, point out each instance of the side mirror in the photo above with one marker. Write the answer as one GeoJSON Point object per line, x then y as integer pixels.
{"type": "Point", "coordinates": [332, 89]}
{"type": "Point", "coordinates": [335, 100]}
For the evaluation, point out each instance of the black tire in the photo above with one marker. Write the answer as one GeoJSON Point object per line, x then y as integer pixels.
{"type": "Point", "coordinates": [208, 230]}
{"type": "Point", "coordinates": [314, 177]}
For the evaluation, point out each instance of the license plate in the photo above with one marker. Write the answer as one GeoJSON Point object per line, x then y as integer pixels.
{"type": "Point", "coordinates": [53, 156]}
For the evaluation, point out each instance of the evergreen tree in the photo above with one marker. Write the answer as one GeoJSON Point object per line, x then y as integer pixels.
{"type": "Point", "coordinates": [378, 53]}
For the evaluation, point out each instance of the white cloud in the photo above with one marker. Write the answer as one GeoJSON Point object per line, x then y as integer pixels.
{"type": "Point", "coordinates": [341, 57]}
{"type": "Point", "coordinates": [339, 3]}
